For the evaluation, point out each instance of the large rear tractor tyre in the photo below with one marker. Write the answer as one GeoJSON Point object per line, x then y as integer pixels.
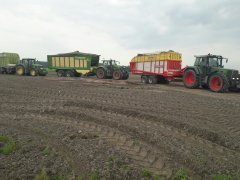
{"type": "Point", "coordinates": [144, 79]}
{"type": "Point", "coordinates": [191, 79]}
{"type": "Point", "coordinates": [20, 70]}
{"type": "Point", "coordinates": [218, 83]}
{"type": "Point", "coordinates": [33, 72]}
{"type": "Point", "coordinates": [101, 74]}
{"type": "Point", "coordinates": [117, 75]}
{"type": "Point", "coordinates": [69, 74]}
{"type": "Point", "coordinates": [60, 73]}
{"type": "Point", "coordinates": [152, 80]}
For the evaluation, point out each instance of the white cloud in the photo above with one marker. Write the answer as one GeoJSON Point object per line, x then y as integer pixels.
{"type": "Point", "coordinates": [121, 28]}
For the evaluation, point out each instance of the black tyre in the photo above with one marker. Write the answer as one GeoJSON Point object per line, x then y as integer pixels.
{"type": "Point", "coordinates": [125, 76]}
{"type": "Point", "coordinates": [20, 70]}
{"type": "Point", "coordinates": [60, 73]}
{"type": "Point", "coordinates": [152, 80]}
{"type": "Point", "coordinates": [218, 83]}
{"type": "Point", "coordinates": [69, 74]}
{"type": "Point", "coordinates": [144, 79]}
{"type": "Point", "coordinates": [191, 79]}
{"type": "Point", "coordinates": [101, 74]}
{"type": "Point", "coordinates": [117, 75]}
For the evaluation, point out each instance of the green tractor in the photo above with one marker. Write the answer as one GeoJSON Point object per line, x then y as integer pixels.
{"type": "Point", "coordinates": [111, 69]}
{"type": "Point", "coordinates": [30, 67]}
{"type": "Point", "coordinates": [208, 72]}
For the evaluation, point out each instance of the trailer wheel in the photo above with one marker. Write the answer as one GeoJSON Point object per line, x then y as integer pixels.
{"type": "Point", "coordinates": [191, 79]}
{"type": "Point", "coordinates": [152, 80]}
{"type": "Point", "coordinates": [101, 74]}
{"type": "Point", "coordinates": [218, 83]}
{"type": "Point", "coordinates": [69, 74]}
{"type": "Point", "coordinates": [20, 70]}
{"type": "Point", "coordinates": [144, 79]}
{"type": "Point", "coordinates": [33, 72]}
{"type": "Point", "coordinates": [117, 75]}
{"type": "Point", "coordinates": [60, 73]}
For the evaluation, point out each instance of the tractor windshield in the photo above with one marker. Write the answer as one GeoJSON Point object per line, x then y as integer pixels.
{"type": "Point", "coordinates": [115, 62]}
{"type": "Point", "coordinates": [214, 62]}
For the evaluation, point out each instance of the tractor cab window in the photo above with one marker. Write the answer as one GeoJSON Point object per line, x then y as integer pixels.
{"type": "Point", "coordinates": [213, 62]}
{"type": "Point", "coordinates": [201, 61]}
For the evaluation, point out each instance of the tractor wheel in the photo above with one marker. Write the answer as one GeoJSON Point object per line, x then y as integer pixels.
{"type": "Point", "coordinates": [218, 83]}
{"type": "Point", "coordinates": [152, 80]}
{"type": "Point", "coordinates": [60, 73]}
{"type": "Point", "coordinates": [191, 79]}
{"type": "Point", "coordinates": [33, 72]}
{"type": "Point", "coordinates": [144, 79]}
{"type": "Point", "coordinates": [20, 70]}
{"type": "Point", "coordinates": [69, 74]}
{"type": "Point", "coordinates": [117, 75]}
{"type": "Point", "coordinates": [101, 74]}
{"type": "Point", "coordinates": [125, 76]}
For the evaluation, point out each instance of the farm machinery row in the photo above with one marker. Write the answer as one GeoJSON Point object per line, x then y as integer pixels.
{"type": "Point", "coordinates": [207, 72]}
{"type": "Point", "coordinates": [10, 63]}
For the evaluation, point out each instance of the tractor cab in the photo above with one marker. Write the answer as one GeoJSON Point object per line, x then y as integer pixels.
{"type": "Point", "coordinates": [210, 61]}
{"type": "Point", "coordinates": [111, 63]}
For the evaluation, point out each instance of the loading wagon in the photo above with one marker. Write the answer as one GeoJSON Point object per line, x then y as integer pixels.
{"type": "Point", "coordinates": [73, 64]}
{"type": "Point", "coordinates": [157, 67]}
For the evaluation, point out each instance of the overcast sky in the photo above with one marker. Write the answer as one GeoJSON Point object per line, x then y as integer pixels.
{"type": "Point", "coordinates": [119, 29]}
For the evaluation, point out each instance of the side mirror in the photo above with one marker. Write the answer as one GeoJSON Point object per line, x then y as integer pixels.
{"type": "Point", "coordinates": [226, 60]}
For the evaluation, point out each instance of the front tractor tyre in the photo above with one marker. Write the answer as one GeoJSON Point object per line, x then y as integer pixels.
{"type": "Point", "coordinates": [190, 79]}
{"type": "Point", "coordinates": [218, 83]}
{"type": "Point", "coordinates": [33, 72]}
{"type": "Point", "coordinates": [20, 70]}
{"type": "Point", "coordinates": [117, 75]}
{"type": "Point", "coordinates": [101, 74]}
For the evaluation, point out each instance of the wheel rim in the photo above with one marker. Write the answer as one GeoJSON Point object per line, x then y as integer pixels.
{"type": "Point", "coordinates": [100, 73]}
{"type": "Point", "coordinates": [68, 75]}
{"type": "Point", "coordinates": [216, 83]}
{"type": "Point", "coordinates": [150, 81]}
{"type": "Point", "coordinates": [190, 79]}
{"type": "Point", "coordinates": [20, 71]}
{"type": "Point", "coordinates": [33, 73]}
{"type": "Point", "coordinates": [116, 75]}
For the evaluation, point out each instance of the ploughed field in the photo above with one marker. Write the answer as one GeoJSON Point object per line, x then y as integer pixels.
{"type": "Point", "coordinates": [73, 128]}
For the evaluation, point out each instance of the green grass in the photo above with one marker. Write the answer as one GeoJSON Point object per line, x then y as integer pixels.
{"type": "Point", "coordinates": [42, 175]}
{"type": "Point", "coordinates": [147, 173]}
{"type": "Point", "coordinates": [110, 158]}
{"type": "Point", "coordinates": [181, 174]}
{"type": "Point", "coordinates": [46, 151]}
{"type": "Point", "coordinates": [222, 177]}
{"type": "Point", "coordinates": [7, 145]}
{"type": "Point", "coordinates": [94, 175]}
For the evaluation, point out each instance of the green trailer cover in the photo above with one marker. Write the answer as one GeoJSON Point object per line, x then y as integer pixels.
{"type": "Point", "coordinates": [9, 58]}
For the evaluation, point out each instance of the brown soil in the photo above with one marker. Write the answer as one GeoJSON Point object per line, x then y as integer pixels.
{"type": "Point", "coordinates": [116, 128]}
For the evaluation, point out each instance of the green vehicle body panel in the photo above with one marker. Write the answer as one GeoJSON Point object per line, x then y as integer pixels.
{"type": "Point", "coordinates": [206, 70]}
{"type": "Point", "coordinates": [9, 58]}
{"type": "Point", "coordinates": [77, 61]}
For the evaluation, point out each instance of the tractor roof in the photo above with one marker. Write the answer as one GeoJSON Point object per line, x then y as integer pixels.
{"type": "Point", "coordinates": [77, 53]}
{"type": "Point", "coordinates": [209, 55]}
